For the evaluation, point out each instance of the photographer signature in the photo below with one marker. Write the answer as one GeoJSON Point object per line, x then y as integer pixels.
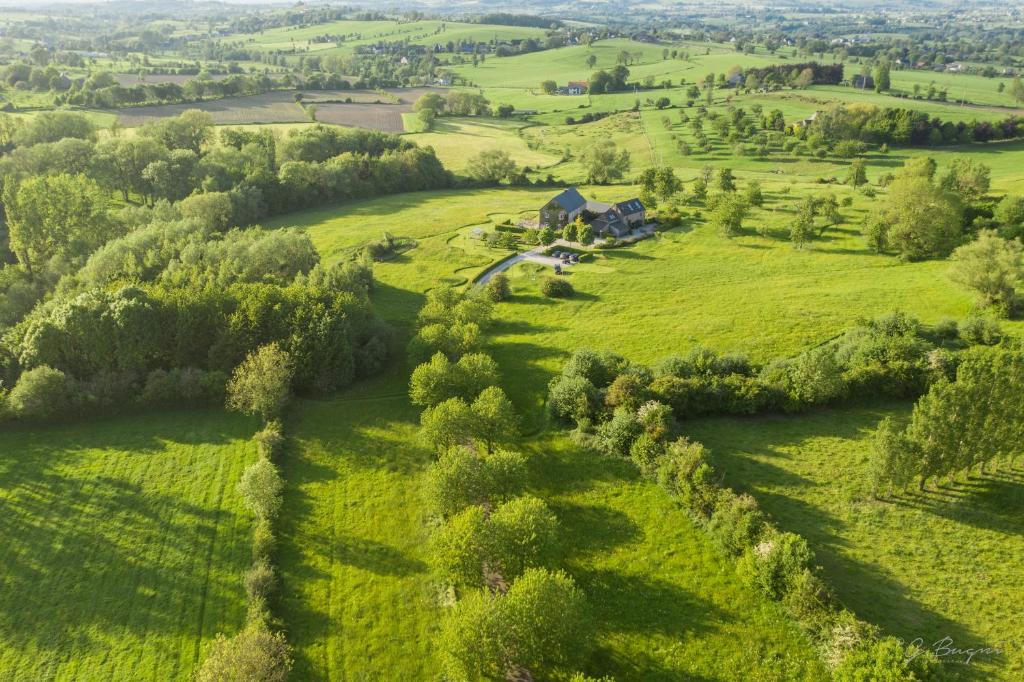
{"type": "Point", "coordinates": [944, 649]}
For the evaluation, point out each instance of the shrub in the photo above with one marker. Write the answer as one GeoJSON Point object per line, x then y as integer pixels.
{"type": "Point", "coordinates": [541, 624]}
{"type": "Point", "coordinates": [41, 393]}
{"type": "Point", "coordinates": [736, 523]}
{"type": "Point", "coordinates": [615, 436]}
{"type": "Point", "coordinates": [776, 564]}
{"type": "Point", "coordinates": [523, 533]}
{"type": "Point", "coordinates": [253, 655]}
{"type": "Point", "coordinates": [887, 659]}
{"type": "Point", "coordinates": [556, 287]}
{"type": "Point", "coordinates": [260, 581]}
{"type": "Point", "coordinates": [498, 288]}
{"type": "Point", "coordinates": [269, 439]}
{"type": "Point", "coordinates": [572, 397]}
{"type": "Point", "coordinates": [260, 488]}
{"type": "Point", "coordinates": [461, 478]}
{"type": "Point", "coordinates": [262, 383]}
{"type": "Point", "coordinates": [263, 540]}
{"type": "Point", "coordinates": [946, 329]}
{"type": "Point", "coordinates": [645, 452]}
{"type": "Point", "coordinates": [458, 548]}
{"type": "Point", "coordinates": [629, 390]}
{"type": "Point", "coordinates": [981, 331]}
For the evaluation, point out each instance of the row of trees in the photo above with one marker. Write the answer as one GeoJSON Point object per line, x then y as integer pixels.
{"type": "Point", "coordinates": [492, 542]}
{"type": "Point", "coordinates": [892, 356]}
{"type": "Point", "coordinates": [777, 564]}
{"type": "Point", "coordinates": [888, 125]}
{"type": "Point", "coordinates": [973, 420]}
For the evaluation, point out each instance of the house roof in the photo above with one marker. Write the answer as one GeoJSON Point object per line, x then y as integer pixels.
{"type": "Point", "coordinates": [597, 207]}
{"type": "Point", "coordinates": [570, 200]}
{"type": "Point", "coordinates": [578, 84]}
{"type": "Point", "coordinates": [630, 206]}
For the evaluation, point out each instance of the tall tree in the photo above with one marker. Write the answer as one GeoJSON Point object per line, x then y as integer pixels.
{"type": "Point", "coordinates": [991, 267]}
{"type": "Point", "coordinates": [55, 215]}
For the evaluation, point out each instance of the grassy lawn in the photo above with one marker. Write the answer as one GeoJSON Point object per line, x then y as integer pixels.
{"type": "Point", "coordinates": [357, 598]}
{"type": "Point", "coordinates": [749, 294]}
{"type": "Point", "coordinates": [360, 603]}
{"type": "Point", "coordinates": [667, 605]}
{"type": "Point", "coordinates": [125, 543]}
{"type": "Point", "coordinates": [457, 140]}
{"type": "Point", "coordinates": [931, 565]}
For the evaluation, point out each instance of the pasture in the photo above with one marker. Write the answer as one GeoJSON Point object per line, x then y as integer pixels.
{"type": "Point", "coordinates": [457, 140]}
{"type": "Point", "coordinates": [125, 542]}
{"type": "Point", "coordinates": [342, 37]}
{"type": "Point", "coordinates": [360, 600]}
{"type": "Point", "coordinates": [942, 563]}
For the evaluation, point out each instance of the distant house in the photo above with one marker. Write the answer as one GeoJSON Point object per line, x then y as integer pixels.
{"type": "Point", "coordinates": [955, 67]}
{"type": "Point", "coordinates": [735, 80]}
{"type": "Point", "coordinates": [863, 82]}
{"type": "Point", "coordinates": [606, 219]}
{"type": "Point", "coordinates": [577, 88]}
{"type": "Point", "coordinates": [563, 209]}
{"type": "Point", "coordinates": [619, 219]}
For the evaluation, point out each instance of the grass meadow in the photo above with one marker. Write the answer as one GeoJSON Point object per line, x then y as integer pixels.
{"type": "Point", "coordinates": [125, 543]}
{"type": "Point", "coordinates": [360, 601]}
{"type": "Point", "coordinates": [943, 563]}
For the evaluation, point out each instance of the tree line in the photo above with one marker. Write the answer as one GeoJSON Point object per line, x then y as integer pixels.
{"type": "Point", "coordinates": [779, 565]}
{"type": "Point", "coordinates": [972, 420]}
{"type": "Point", "coordinates": [907, 127]}
{"type": "Point", "coordinates": [493, 542]}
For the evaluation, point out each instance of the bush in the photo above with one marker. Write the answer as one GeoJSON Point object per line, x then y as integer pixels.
{"type": "Point", "coordinates": [736, 523]}
{"type": "Point", "coordinates": [41, 393]}
{"type": "Point", "coordinates": [269, 439]}
{"type": "Point", "coordinates": [263, 540]}
{"type": "Point", "coordinates": [261, 384]}
{"type": "Point", "coordinates": [253, 655]}
{"type": "Point", "coordinates": [462, 478]}
{"type": "Point", "coordinates": [556, 287]}
{"type": "Point", "coordinates": [616, 436]}
{"type": "Point", "coordinates": [572, 397]}
{"type": "Point", "coordinates": [776, 565]}
{"type": "Point", "coordinates": [260, 488]}
{"type": "Point", "coordinates": [498, 288]}
{"type": "Point", "coordinates": [260, 581]}
{"type": "Point", "coordinates": [684, 471]}
{"type": "Point", "coordinates": [981, 331]}
{"type": "Point", "coordinates": [887, 659]}
{"type": "Point", "coordinates": [645, 452]}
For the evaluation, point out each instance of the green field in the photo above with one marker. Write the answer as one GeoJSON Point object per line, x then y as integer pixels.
{"type": "Point", "coordinates": [125, 543]}
{"type": "Point", "coordinates": [302, 39]}
{"type": "Point", "coordinates": [457, 140]}
{"type": "Point", "coordinates": [361, 603]}
{"type": "Point", "coordinates": [944, 563]}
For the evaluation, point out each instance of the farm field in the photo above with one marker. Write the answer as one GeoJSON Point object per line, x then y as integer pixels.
{"type": "Point", "coordinates": [456, 141]}
{"type": "Point", "coordinates": [360, 600]}
{"type": "Point", "coordinates": [271, 278]}
{"type": "Point", "coordinates": [355, 33]}
{"type": "Point", "coordinates": [278, 106]}
{"type": "Point", "coordinates": [943, 563]}
{"type": "Point", "coordinates": [125, 543]}
{"type": "Point", "coordinates": [969, 87]}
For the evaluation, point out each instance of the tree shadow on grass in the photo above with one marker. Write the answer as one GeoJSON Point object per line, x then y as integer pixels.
{"type": "Point", "coordinates": [88, 559]}
{"type": "Point", "coordinates": [587, 529]}
{"type": "Point", "coordinates": [739, 447]}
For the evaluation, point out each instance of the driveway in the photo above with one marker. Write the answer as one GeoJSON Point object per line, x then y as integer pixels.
{"type": "Point", "coordinates": [536, 255]}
